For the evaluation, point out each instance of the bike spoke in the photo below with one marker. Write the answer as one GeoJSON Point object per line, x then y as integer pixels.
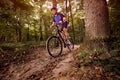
{"type": "Point", "coordinates": [54, 46]}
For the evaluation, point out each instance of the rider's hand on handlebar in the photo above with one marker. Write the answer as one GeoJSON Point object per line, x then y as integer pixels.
{"type": "Point", "coordinates": [60, 22]}
{"type": "Point", "coordinates": [51, 26]}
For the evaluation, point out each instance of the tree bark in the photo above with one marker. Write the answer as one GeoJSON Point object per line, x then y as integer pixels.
{"type": "Point", "coordinates": [40, 28]}
{"type": "Point", "coordinates": [73, 30]}
{"type": "Point", "coordinates": [19, 32]}
{"type": "Point", "coordinates": [96, 19]}
{"type": "Point", "coordinates": [66, 2]}
{"type": "Point", "coordinates": [35, 35]}
{"type": "Point", "coordinates": [46, 30]}
{"type": "Point", "coordinates": [28, 35]}
{"type": "Point", "coordinates": [54, 2]}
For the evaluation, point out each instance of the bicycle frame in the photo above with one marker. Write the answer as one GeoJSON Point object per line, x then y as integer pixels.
{"type": "Point", "coordinates": [58, 42]}
{"type": "Point", "coordinates": [59, 34]}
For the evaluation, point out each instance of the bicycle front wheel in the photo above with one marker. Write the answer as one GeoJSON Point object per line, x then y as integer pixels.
{"type": "Point", "coordinates": [54, 46]}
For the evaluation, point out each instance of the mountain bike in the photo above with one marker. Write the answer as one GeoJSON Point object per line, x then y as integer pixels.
{"type": "Point", "coordinates": [55, 43]}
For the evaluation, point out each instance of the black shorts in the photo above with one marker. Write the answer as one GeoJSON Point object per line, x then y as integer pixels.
{"type": "Point", "coordinates": [64, 25]}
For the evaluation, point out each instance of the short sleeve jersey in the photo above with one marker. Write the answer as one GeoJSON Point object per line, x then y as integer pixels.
{"type": "Point", "coordinates": [58, 17]}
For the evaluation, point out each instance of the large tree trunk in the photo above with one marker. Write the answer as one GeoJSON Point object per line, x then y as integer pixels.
{"type": "Point", "coordinates": [96, 19]}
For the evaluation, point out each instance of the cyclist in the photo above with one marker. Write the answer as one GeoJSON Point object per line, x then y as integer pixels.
{"type": "Point", "coordinates": [61, 20]}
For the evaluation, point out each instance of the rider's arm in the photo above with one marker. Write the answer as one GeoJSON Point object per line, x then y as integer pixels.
{"type": "Point", "coordinates": [53, 23]}
{"type": "Point", "coordinates": [60, 22]}
{"type": "Point", "coordinates": [64, 19]}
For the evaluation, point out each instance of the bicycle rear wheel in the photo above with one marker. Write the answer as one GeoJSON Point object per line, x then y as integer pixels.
{"type": "Point", "coordinates": [71, 44]}
{"type": "Point", "coordinates": [54, 46]}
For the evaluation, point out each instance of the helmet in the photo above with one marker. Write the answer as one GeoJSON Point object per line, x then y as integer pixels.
{"type": "Point", "coordinates": [53, 8]}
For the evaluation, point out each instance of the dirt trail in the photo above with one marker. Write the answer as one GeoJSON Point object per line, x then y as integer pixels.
{"type": "Point", "coordinates": [42, 66]}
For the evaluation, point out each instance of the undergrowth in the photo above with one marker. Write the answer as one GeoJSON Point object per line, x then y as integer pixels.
{"type": "Point", "coordinates": [109, 61]}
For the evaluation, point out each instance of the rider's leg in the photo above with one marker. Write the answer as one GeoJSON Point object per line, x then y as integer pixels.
{"type": "Point", "coordinates": [65, 28]}
{"type": "Point", "coordinates": [66, 36]}
{"type": "Point", "coordinates": [66, 33]}
{"type": "Point", "coordinates": [62, 35]}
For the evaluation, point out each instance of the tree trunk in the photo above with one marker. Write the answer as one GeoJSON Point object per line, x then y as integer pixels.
{"type": "Point", "coordinates": [66, 2]}
{"type": "Point", "coordinates": [72, 21]}
{"type": "Point", "coordinates": [96, 19]}
{"type": "Point", "coordinates": [54, 2]}
{"type": "Point", "coordinates": [40, 28]}
{"type": "Point", "coordinates": [46, 30]}
{"type": "Point", "coordinates": [81, 29]}
{"type": "Point", "coordinates": [28, 35]}
{"type": "Point", "coordinates": [35, 35]}
{"type": "Point", "coordinates": [19, 32]}
{"type": "Point", "coordinates": [16, 32]}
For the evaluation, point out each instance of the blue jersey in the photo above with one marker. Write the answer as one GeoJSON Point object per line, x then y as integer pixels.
{"type": "Point", "coordinates": [59, 17]}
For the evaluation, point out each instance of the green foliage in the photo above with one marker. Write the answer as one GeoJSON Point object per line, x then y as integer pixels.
{"type": "Point", "coordinates": [100, 57]}
{"type": "Point", "coordinates": [107, 68]}
{"type": "Point", "coordinates": [113, 61]}
{"type": "Point", "coordinates": [115, 42]}
{"type": "Point", "coordinates": [114, 13]}
{"type": "Point", "coordinates": [114, 53]}
{"type": "Point", "coordinates": [18, 46]}
{"type": "Point", "coordinates": [33, 43]}
{"type": "Point", "coordinates": [111, 64]}
{"type": "Point", "coordinates": [83, 54]}
{"type": "Point", "coordinates": [20, 21]}
{"type": "Point", "coordinates": [1, 50]}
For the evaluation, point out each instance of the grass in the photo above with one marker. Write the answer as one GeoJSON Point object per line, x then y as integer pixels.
{"type": "Point", "coordinates": [18, 52]}
{"type": "Point", "coordinates": [19, 45]}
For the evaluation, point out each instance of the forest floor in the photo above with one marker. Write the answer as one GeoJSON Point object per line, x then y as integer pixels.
{"type": "Point", "coordinates": [35, 64]}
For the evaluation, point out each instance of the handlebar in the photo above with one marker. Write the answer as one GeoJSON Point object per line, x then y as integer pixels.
{"type": "Point", "coordinates": [57, 26]}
